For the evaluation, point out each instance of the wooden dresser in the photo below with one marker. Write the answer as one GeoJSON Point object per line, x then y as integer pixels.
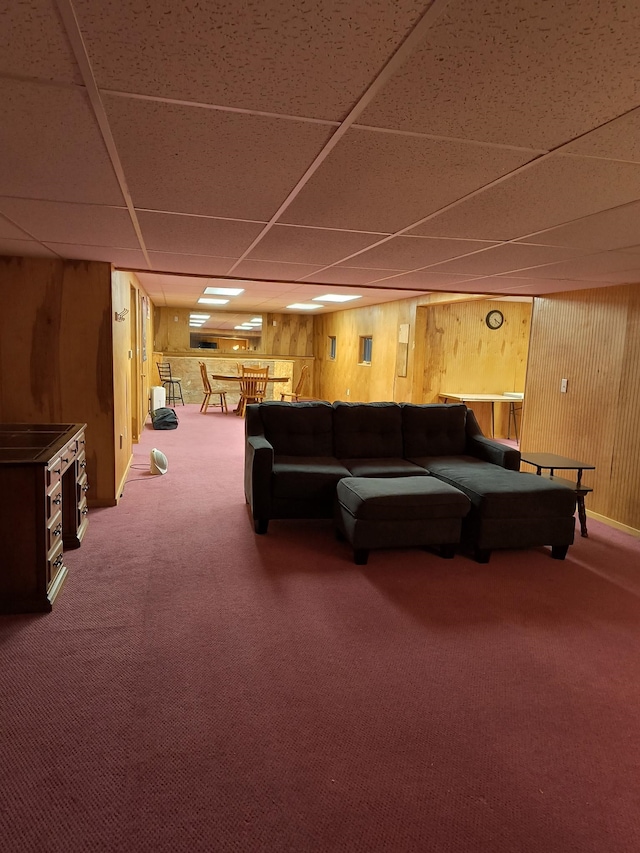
{"type": "Point", "coordinates": [43, 510]}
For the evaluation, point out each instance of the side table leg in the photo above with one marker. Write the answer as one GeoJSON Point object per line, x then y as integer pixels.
{"type": "Point", "coordinates": [582, 515]}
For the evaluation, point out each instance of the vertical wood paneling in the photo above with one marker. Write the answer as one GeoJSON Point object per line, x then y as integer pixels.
{"type": "Point", "coordinates": [590, 338]}
{"type": "Point", "coordinates": [462, 354]}
{"type": "Point", "coordinates": [287, 334]}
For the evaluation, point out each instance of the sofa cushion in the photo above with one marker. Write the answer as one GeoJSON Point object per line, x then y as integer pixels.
{"type": "Point", "coordinates": [400, 500]}
{"type": "Point", "coordinates": [299, 429]}
{"type": "Point", "coordinates": [383, 467]}
{"type": "Point", "coordinates": [498, 493]}
{"type": "Point", "coordinates": [434, 429]}
{"type": "Point", "coordinates": [306, 477]}
{"type": "Point", "coordinates": [367, 430]}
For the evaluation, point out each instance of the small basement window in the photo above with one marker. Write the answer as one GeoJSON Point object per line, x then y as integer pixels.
{"type": "Point", "coordinates": [366, 347]}
{"type": "Point", "coordinates": [332, 347]}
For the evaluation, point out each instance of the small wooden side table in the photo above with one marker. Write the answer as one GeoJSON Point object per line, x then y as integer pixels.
{"type": "Point", "coordinates": [552, 462]}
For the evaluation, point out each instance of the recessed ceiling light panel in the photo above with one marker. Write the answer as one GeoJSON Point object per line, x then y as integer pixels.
{"type": "Point", "coordinates": [224, 291]}
{"type": "Point", "coordinates": [207, 300]}
{"type": "Point", "coordinates": [335, 297]}
{"type": "Point", "coordinates": [304, 306]}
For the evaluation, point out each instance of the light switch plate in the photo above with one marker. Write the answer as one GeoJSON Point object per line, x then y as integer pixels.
{"type": "Point", "coordinates": [563, 386]}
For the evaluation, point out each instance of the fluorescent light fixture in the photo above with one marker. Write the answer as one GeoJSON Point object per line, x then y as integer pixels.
{"type": "Point", "coordinates": [206, 300]}
{"type": "Point", "coordinates": [224, 291]}
{"type": "Point", "coordinates": [256, 320]}
{"type": "Point", "coordinates": [335, 297]}
{"type": "Point", "coordinates": [245, 328]}
{"type": "Point", "coordinates": [196, 323]}
{"type": "Point", "coordinates": [304, 306]}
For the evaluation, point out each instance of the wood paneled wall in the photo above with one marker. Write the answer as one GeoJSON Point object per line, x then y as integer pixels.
{"type": "Point", "coordinates": [450, 349]}
{"type": "Point", "coordinates": [462, 354]}
{"type": "Point", "coordinates": [591, 338]}
{"type": "Point", "coordinates": [64, 358]}
{"type": "Point", "coordinates": [287, 334]}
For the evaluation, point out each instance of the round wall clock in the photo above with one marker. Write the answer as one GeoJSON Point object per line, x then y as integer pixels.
{"type": "Point", "coordinates": [494, 319]}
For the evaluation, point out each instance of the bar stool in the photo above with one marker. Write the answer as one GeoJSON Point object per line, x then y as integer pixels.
{"type": "Point", "coordinates": [170, 383]}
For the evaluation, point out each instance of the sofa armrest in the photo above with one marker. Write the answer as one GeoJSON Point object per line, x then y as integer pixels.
{"type": "Point", "coordinates": [493, 451]}
{"type": "Point", "coordinates": [258, 466]}
{"type": "Point", "coordinates": [487, 449]}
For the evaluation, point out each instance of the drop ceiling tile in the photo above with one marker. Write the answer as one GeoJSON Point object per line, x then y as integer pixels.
{"type": "Point", "coordinates": [619, 140]}
{"type": "Point", "coordinates": [348, 275]}
{"type": "Point", "coordinates": [408, 253]}
{"type": "Point", "coordinates": [57, 222]}
{"type": "Point", "coordinates": [535, 74]}
{"type": "Point", "coordinates": [610, 229]}
{"type": "Point", "coordinates": [602, 265]}
{"type": "Point", "coordinates": [424, 279]}
{"type": "Point", "coordinates": [205, 161]}
{"type": "Point", "coordinates": [10, 231]}
{"type": "Point", "coordinates": [293, 244]}
{"type": "Point", "coordinates": [51, 146]}
{"type": "Point", "coordinates": [507, 258]}
{"type": "Point", "coordinates": [121, 257]}
{"type": "Point", "coordinates": [547, 193]}
{"type": "Point", "coordinates": [173, 233]}
{"type": "Point", "coordinates": [384, 182]}
{"type": "Point", "coordinates": [304, 58]}
{"type": "Point", "coordinates": [187, 263]}
{"type": "Point", "coordinates": [24, 248]}
{"type": "Point", "coordinates": [272, 270]}
{"type": "Point", "coordinates": [33, 42]}
{"type": "Point", "coordinates": [524, 286]}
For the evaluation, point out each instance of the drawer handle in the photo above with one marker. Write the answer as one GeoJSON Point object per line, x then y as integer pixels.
{"type": "Point", "coordinates": [85, 488]}
{"type": "Point", "coordinates": [64, 461]}
{"type": "Point", "coordinates": [57, 500]}
{"type": "Point", "coordinates": [58, 530]}
{"type": "Point", "coordinates": [85, 511]}
{"type": "Point", "coordinates": [57, 470]}
{"type": "Point", "coordinates": [83, 464]}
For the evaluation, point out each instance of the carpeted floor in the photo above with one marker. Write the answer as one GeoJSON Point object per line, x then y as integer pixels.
{"type": "Point", "coordinates": [200, 688]}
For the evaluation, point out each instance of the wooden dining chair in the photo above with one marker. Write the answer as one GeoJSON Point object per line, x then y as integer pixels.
{"type": "Point", "coordinates": [296, 394]}
{"type": "Point", "coordinates": [253, 386]}
{"type": "Point", "coordinates": [210, 392]}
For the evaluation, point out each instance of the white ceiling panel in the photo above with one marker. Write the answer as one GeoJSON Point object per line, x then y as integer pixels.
{"type": "Point", "coordinates": [33, 42]}
{"type": "Point", "coordinates": [168, 232]}
{"type": "Point", "coordinates": [619, 139]}
{"type": "Point", "coordinates": [536, 74]}
{"type": "Point", "coordinates": [617, 228]}
{"type": "Point", "coordinates": [309, 58]}
{"type": "Point", "coordinates": [408, 253]}
{"type": "Point", "coordinates": [317, 245]}
{"type": "Point", "coordinates": [51, 146]}
{"type": "Point", "coordinates": [384, 182]}
{"type": "Point", "coordinates": [555, 190]}
{"type": "Point", "coordinates": [27, 248]}
{"type": "Point", "coordinates": [56, 222]}
{"type": "Point", "coordinates": [280, 142]}
{"type": "Point", "coordinates": [507, 258]}
{"type": "Point", "coordinates": [196, 160]}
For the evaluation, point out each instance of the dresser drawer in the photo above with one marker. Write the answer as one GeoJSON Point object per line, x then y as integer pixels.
{"type": "Point", "coordinates": [54, 499]}
{"type": "Point", "coordinates": [54, 471]}
{"type": "Point", "coordinates": [55, 564]}
{"type": "Point", "coordinates": [54, 532]}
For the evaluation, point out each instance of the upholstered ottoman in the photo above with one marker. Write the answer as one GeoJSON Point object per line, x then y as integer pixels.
{"type": "Point", "coordinates": [399, 512]}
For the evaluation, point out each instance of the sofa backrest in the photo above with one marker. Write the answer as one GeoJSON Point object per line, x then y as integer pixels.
{"type": "Point", "coordinates": [367, 430]}
{"type": "Point", "coordinates": [298, 429]}
{"type": "Point", "coordinates": [433, 429]}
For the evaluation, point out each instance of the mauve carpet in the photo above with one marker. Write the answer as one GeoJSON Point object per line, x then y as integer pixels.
{"type": "Point", "coordinates": [201, 688]}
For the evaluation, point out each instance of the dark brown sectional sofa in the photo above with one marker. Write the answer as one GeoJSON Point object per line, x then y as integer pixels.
{"type": "Point", "coordinates": [295, 454]}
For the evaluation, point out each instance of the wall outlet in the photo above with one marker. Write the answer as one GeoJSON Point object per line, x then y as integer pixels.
{"type": "Point", "coordinates": [347, 392]}
{"type": "Point", "coordinates": [563, 386]}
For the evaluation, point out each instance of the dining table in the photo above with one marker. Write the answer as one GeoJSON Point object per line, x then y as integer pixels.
{"type": "Point", "coordinates": [236, 377]}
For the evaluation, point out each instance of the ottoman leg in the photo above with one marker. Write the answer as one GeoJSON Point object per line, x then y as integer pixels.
{"type": "Point", "coordinates": [360, 556]}
{"type": "Point", "coordinates": [447, 551]}
{"type": "Point", "coordinates": [559, 552]}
